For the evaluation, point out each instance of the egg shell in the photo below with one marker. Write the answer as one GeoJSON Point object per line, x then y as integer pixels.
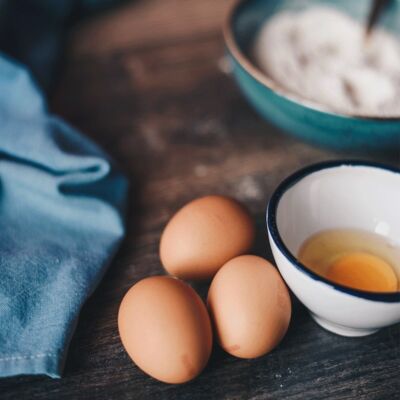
{"type": "Point", "coordinates": [165, 328]}
{"type": "Point", "coordinates": [205, 234]}
{"type": "Point", "coordinates": [250, 306]}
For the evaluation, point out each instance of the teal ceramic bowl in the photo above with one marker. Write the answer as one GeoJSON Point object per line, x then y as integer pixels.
{"type": "Point", "coordinates": [305, 119]}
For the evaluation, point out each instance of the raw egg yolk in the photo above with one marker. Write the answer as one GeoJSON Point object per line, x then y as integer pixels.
{"type": "Point", "coordinates": [363, 271]}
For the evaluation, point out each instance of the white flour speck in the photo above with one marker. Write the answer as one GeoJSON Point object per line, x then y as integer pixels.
{"type": "Point", "coordinates": [225, 65]}
{"type": "Point", "coordinates": [248, 188]}
{"type": "Point", "coordinates": [201, 170]}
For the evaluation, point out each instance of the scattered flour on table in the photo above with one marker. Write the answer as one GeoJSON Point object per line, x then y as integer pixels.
{"type": "Point", "coordinates": [225, 65]}
{"type": "Point", "coordinates": [201, 171]}
{"type": "Point", "coordinates": [248, 188]}
{"type": "Point", "coordinates": [321, 54]}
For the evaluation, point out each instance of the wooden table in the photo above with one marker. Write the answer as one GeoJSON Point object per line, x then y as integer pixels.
{"type": "Point", "coordinates": [148, 82]}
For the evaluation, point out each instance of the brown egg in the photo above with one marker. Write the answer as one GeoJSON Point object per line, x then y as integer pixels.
{"type": "Point", "coordinates": [204, 235]}
{"type": "Point", "coordinates": [250, 306]}
{"type": "Point", "coordinates": [165, 328]}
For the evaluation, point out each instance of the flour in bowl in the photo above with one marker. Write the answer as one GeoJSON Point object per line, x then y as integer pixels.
{"type": "Point", "coordinates": [321, 54]}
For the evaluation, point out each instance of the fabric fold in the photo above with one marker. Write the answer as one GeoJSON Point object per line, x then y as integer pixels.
{"type": "Point", "coordinates": [62, 205]}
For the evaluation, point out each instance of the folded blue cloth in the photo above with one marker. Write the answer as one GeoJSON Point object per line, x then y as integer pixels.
{"type": "Point", "coordinates": [62, 203]}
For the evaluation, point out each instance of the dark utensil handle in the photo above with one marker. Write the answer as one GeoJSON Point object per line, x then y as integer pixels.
{"type": "Point", "coordinates": [377, 7]}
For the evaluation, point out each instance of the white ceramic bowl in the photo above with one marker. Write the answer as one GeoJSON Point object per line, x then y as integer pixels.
{"type": "Point", "coordinates": [337, 194]}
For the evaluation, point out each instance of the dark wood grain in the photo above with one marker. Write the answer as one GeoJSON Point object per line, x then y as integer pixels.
{"type": "Point", "coordinates": [146, 81]}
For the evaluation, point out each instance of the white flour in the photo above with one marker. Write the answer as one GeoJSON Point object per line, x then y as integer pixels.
{"type": "Point", "coordinates": [321, 55]}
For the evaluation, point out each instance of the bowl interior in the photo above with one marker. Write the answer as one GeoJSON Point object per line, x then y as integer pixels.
{"type": "Point", "coordinates": [251, 14]}
{"type": "Point", "coordinates": [343, 196]}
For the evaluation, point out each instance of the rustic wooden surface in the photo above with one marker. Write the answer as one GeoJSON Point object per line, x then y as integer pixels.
{"type": "Point", "coordinates": [147, 82]}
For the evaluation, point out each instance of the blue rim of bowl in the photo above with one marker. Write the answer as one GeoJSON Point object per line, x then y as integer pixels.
{"type": "Point", "coordinates": [388, 297]}
{"type": "Point", "coordinates": [245, 62]}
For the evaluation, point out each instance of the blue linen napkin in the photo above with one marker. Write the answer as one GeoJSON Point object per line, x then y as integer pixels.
{"type": "Point", "coordinates": [62, 204]}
